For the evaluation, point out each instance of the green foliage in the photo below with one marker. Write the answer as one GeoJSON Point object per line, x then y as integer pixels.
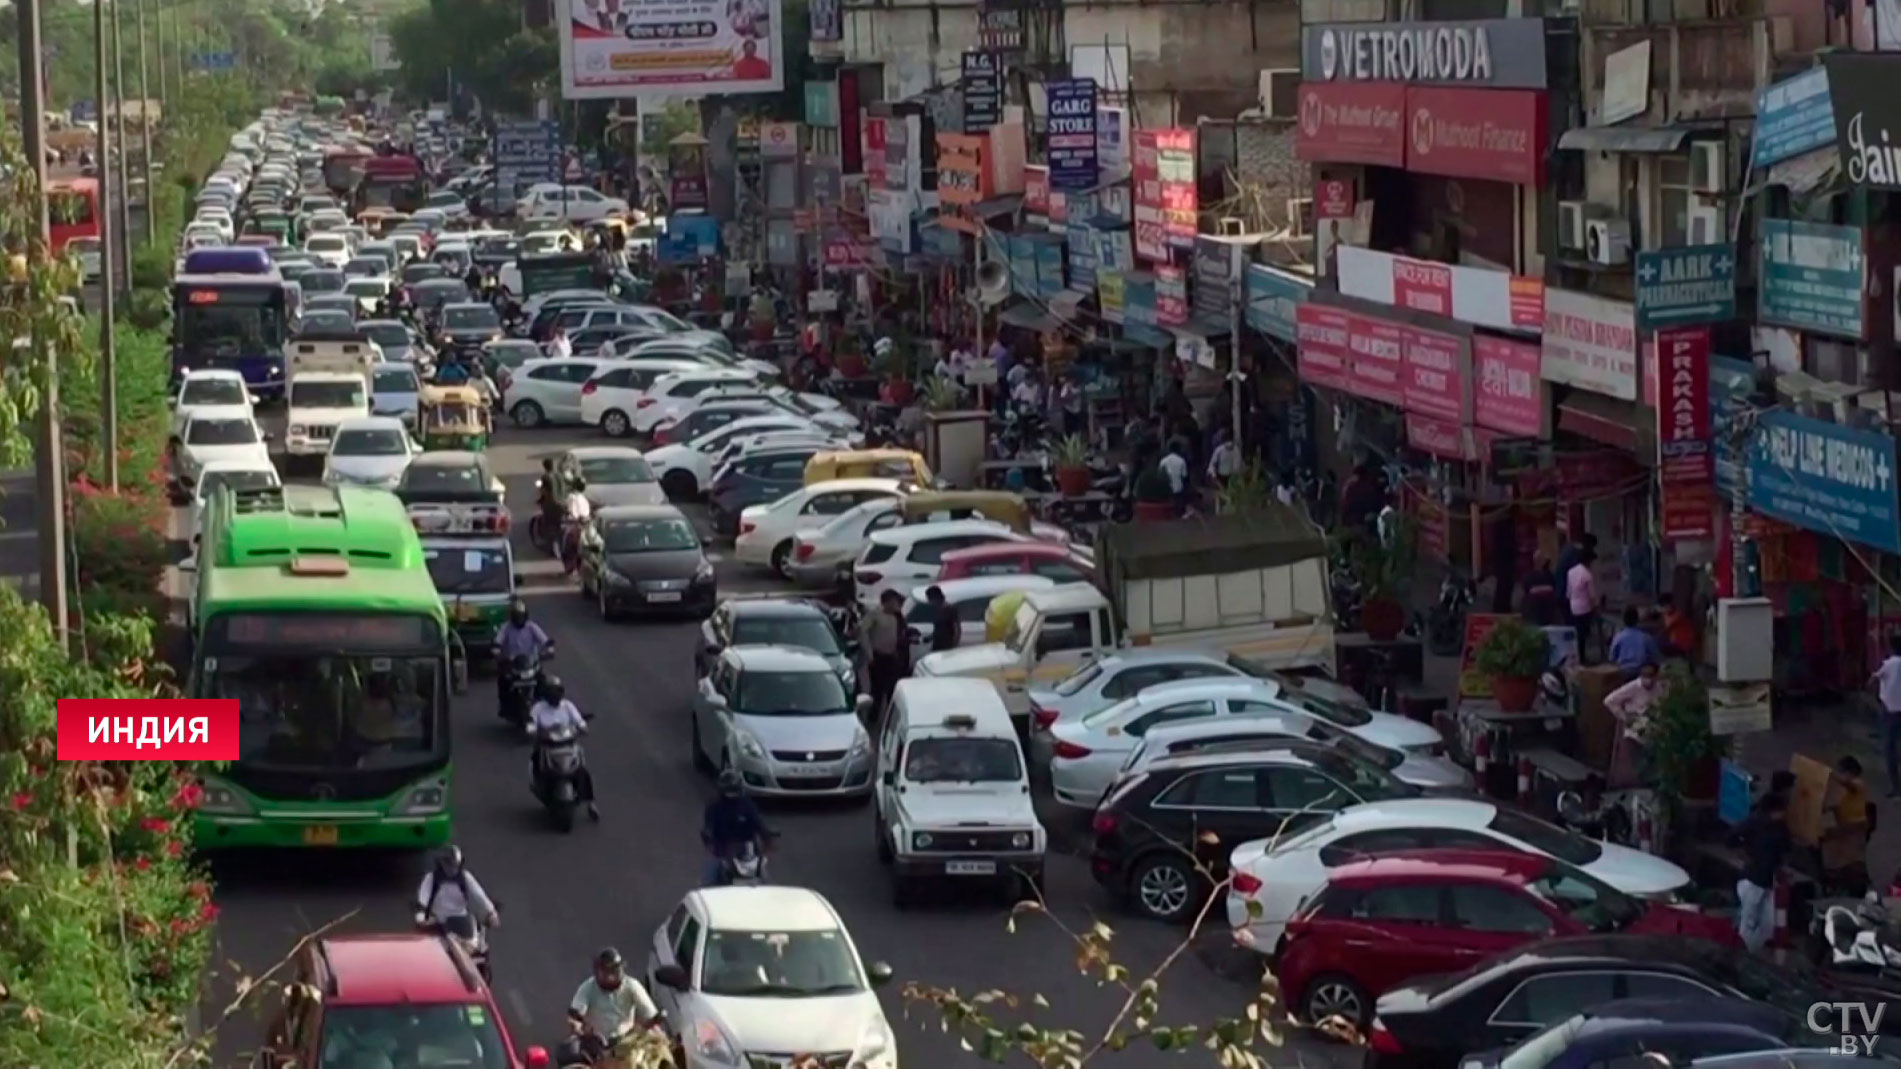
{"type": "Point", "coordinates": [483, 44]}
{"type": "Point", "coordinates": [1070, 452]}
{"type": "Point", "coordinates": [1677, 738]}
{"type": "Point", "coordinates": [1247, 490]}
{"type": "Point", "coordinates": [1513, 650]}
{"type": "Point", "coordinates": [1384, 569]}
{"type": "Point", "coordinates": [1152, 487]}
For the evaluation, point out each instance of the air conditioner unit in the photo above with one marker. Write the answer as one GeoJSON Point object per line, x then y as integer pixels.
{"type": "Point", "coordinates": [1280, 93]}
{"type": "Point", "coordinates": [1706, 225]}
{"type": "Point", "coordinates": [1572, 215]}
{"type": "Point", "coordinates": [1300, 215]}
{"type": "Point", "coordinates": [1794, 387]}
{"type": "Point", "coordinates": [1607, 241]}
{"type": "Point", "coordinates": [1709, 170]}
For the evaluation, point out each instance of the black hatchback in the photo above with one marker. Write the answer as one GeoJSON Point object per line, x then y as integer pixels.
{"type": "Point", "coordinates": [1163, 835]}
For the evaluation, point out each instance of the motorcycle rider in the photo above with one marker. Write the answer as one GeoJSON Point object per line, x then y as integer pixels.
{"type": "Point", "coordinates": [553, 712]}
{"type": "Point", "coordinates": [450, 890]}
{"type": "Point", "coordinates": [604, 1005]}
{"type": "Point", "coordinates": [732, 820]}
{"type": "Point", "coordinates": [576, 511]}
{"type": "Point", "coordinates": [519, 637]}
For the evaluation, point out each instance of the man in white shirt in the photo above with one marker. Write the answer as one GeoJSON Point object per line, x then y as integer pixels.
{"type": "Point", "coordinates": [559, 346]}
{"type": "Point", "coordinates": [605, 1007]}
{"type": "Point", "coordinates": [450, 890]}
{"type": "Point", "coordinates": [1225, 461]}
{"type": "Point", "coordinates": [577, 510]}
{"type": "Point", "coordinates": [1175, 468]}
{"type": "Point", "coordinates": [1887, 680]}
{"type": "Point", "coordinates": [554, 712]}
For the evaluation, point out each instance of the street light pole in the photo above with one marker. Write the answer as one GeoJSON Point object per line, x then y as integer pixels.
{"type": "Point", "coordinates": [49, 474]}
{"type": "Point", "coordinates": [125, 179]}
{"type": "Point", "coordinates": [145, 130]}
{"type": "Point", "coordinates": [158, 43]}
{"type": "Point", "coordinates": [110, 237]}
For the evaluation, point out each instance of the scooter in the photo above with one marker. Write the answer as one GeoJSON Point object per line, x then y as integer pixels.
{"type": "Point", "coordinates": [556, 770]}
{"type": "Point", "coordinates": [524, 678]}
{"type": "Point", "coordinates": [614, 1051]}
{"type": "Point", "coordinates": [1859, 938]}
{"type": "Point", "coordinates": [467, 934]}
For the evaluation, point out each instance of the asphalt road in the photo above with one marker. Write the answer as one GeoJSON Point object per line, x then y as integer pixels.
{"type": "Point", "coordinates": [563, 897]}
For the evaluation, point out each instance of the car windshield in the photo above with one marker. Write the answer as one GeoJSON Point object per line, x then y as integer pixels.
{"type": "Point", "coordinates": [610, 471]}
{"type": "Point", "coordinates": [236, 480]}
{"type": "Point", "coordinates": [1545, 1047]}
{"type": "Point", "coordinates": [443, 478]}
{"type": "Point", "coordinates": [779, 965]}
{"type": "Point", "coordinates": [322, 281]}
{"type": "Point", "coordinates": [1378, 756]}
{"type": "Point", "coordinates": [396, 380]}
{"type": "Point", "coordinates": [387, 335]}
{"type": "Point", "coordinates": [666, 319]}
{"type": "Point", "coordinates": [648, 536]}
{"type": "Point", "coordinates": [809, 693]}
{"type": "Point", "coordinates": [320, 321]}
{"type": "Point", "coordinates": [221, 432]}
{"type": "Point", "coordinates": [962, 760]}
{"type": "Point", "coordinates": [365, 287]}
{"type": "Point", "coordinates": [806, 632]}
{"type": "Point", "coordinates": [1586, 899]}
{"type": "Point", "coordinates": [326, 243]}
{"type": "Point", "coordinates": [1547, 839]}
{"type": "Point", "coordinates": [469, 569]}
{"type": "Point", "coordinates": [326, 394]}
{"type": "Point", "coordinates": [315, 711]}
{"type": "Point", "coordinates": [470, 317]}
{"type": "Point", "coordinates": [423, 272]}
{"type": "Point", "coordinates": [1337, 706]}
{"type": "Point", "coordinates": [365, 267]}
{"type": "Point", "coordinates": [380, 442]}
{"type": "Point", "coordinates": [461, 1036]}
{"type": "Point", "coordinates": [214, 392]}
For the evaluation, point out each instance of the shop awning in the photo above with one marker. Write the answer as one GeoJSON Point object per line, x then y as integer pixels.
{"type": "Point", "coordinates": [1028, 315]}
{"type": "Point", "coordinates": [996, 207]}
{"type": "Point", "coordinates": [1629, 138]}
{"type": "Point", "coordinates": [1206, 326]}
{"type": "Point", "coordinates": [1608, 420]}
{"type": "Point", "coordinates": [1802, 175]}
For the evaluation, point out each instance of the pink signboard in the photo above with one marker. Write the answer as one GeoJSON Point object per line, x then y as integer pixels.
{"type": "Point", "coordinates": [1322, 333]}
{"type": "Point", "coordinates": [1507, 394]}
{"type": "Point", "coordinates": [1377, 363]}
{"type": "Point", "coordinates": [1434, 384]}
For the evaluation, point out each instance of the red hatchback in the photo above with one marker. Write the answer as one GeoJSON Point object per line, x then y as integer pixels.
{"type": "Point", "coordinates": [1389, 920]}
{"type": "Point", "coordinates": [1058, 563]}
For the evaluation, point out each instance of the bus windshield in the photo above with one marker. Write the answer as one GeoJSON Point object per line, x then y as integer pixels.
{"type": "Point", "coordinates": [331, 711]}
{"type": "Point", "coordinates": [238, 321]}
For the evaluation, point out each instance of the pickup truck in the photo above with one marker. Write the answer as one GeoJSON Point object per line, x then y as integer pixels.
{"type": "Point", "coordinates": [329, 382]}
{"type": "Point", "coordinates": [1254, 585]}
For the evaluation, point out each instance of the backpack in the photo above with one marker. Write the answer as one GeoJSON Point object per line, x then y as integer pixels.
{"type": "Point", "coordinates": [435, 888]}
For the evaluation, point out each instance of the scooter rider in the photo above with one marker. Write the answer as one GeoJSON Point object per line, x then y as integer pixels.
{"type": "Point", "coordinates": [450, 890]}
{"type": "Point", "coordinates": [732, 820]}
{"type": "Point", "coordinates": [605, 1006]}
{"type": "Point", "coordinates": [519, 637]}
{"type": "Point", "coordinates": [554, 711]}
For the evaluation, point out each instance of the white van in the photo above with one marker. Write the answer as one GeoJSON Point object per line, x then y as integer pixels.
{"type": "Point", "coordinates": [953, 793]}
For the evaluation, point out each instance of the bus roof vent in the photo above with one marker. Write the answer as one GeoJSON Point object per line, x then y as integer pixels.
{"type": "Point", "coordinates": [319, 567]}
{"type": "Point", "coordinates": [259, 499]}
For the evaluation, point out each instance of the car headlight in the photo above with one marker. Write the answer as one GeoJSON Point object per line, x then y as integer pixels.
{"type": "Point", "coordinates": [875, 1044]}
{"type": "Point", "coordinates": [921, 841]}
{"type": "Point", "coordinates": [705, 573]}
{"type": "Point", "coordinates": [614, 578]}
{"type": "Point", "coordinates": [1021, 840]}
{"type": "Point", "coordinates": [860, 743]}
{"type": "Point", "coordinates": [431, 797]}
{"type": "Point", "coordinates": [749, 746]}
{"type": "Point", "coordinates": [222, 800]}
{"type": "Point", "coordinates": [710, 1043]}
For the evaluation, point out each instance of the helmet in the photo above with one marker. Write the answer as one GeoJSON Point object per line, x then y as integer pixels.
{"type": "Point", "coordinates": [608, 958]}
{"type": "Point", "coordinates": [731, 783]}
{"type": "Point", "coordinates": [449, 860]}
{"type": "Point", "coordinates": [518, 612]}
{"type": "Point", "coordinates": [553, 690]}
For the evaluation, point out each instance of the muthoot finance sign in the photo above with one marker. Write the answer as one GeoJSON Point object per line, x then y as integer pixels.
{"type": "Point", "coordinates": [1495, 53]}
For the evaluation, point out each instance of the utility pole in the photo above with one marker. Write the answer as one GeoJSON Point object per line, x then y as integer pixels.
{"type": "Point", "coordinates": [145, 132]}
{"type": "Point", "coordinates": [158, 43]}
{"type": "Point", "coordinates": [125, 174]}
{"type": "Point", "coordinates": [109, 242]}
{"type": "Point", "coordinates": [49, 461]}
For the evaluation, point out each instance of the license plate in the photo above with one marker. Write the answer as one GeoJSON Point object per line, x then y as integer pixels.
{"type": "Point", "coordinates": [664, 595]}
{"type": "Point", "coordinates": [806, 771]}
{"type": "Point", "coordinates": [971, 868]}
{"type": "Point", "coordinates": [320, 836]}
{"type": "Point", "coordinates": [466, 613]}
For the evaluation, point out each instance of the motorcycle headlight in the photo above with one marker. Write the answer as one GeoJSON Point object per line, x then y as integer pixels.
{"type": "Point", "coordinates": [221, 800]}
{"type": "Point", "coordinates": [431, 797]}
{"type": "Point", "coordinates": [749, 746]}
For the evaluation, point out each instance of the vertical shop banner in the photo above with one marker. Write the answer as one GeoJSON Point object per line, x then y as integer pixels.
{"type": "Point", "coordinates": [963, 180]}
{"type": "Point", "coordinates": [1686, 470]}
{"type": "Point", "coordinates": [688, 47]}
{"type": "Point", "coordinates": [1036, 191]}
{"type": "Point", "coordinates": [1175, 167]}
{"type": "Point", "coordinates": [1215, 265]}
{"type": "Point", "coordinates": [1322, 333]}
{"type": "Point", "coordinates": [872, 135]}
{"type": "Point", "coordinates": [1812, 276]}
{"type": "Point", "coordinates": [1435, 377]}
{"type": "Point", "coordinates": [982, 87]}
{"type": "Point", "coordinates": [1509, 395]}
{"type": "Point", "coordinates": [1082, 258]}
{"type": "Point", "coordinates": [1050, 280]}
{"type": "Point", "coordinates": [1151, 230]}
{"type": "Point", "coordinates": [1138, 300]}
{"type": "Point", "coordinates": [1072, 133]}
{"type": "Point", "coordinates": [1591, 343]}
{"type": "Point", "coordinates": [1171, 295]}
{"type": "Point", "coordinates": [1109, 292]}
{"type": "Point", "coordinates": [1376, 360]}
{"type": "Point", "coordinates": [1112, 141]}
{"type": "Point", "coordinates": [827, 21]}
{"type": "Point", "coordinates": [1827, 478]}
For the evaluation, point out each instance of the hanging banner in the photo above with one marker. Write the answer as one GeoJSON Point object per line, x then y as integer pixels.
{"type": "Point", "coordinates": [983, 92]}
{"type": "Point", "coordinates": [1686, 465]}
{"type": "Point", "coordinates": [1072, 133]}
{"type": "Point", "coordinates": [684, 48]}
{"type": "Point", "coordinates": [1151, 232]}
{"type": "Point", "coordinates": [1171, 295]}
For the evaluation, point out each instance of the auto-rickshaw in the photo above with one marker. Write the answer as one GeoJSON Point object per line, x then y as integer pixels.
{"type": "Point", "coordinates": [900, 464]}
{"type": "Point", "coordinates": [372, 220]}
{"type": "Point", "coordinates": [998, 506]}
{"type": "Point", "coordinates": [452, 417]}
{"type": "Point", "coordinates": [387, 223]}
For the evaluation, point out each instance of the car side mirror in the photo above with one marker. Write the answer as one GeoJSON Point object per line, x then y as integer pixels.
{"type": "Point", "coordinates": [863, 705]}
{"type": "Point", "coordinates": [672, 976]}
{"type": "Point", "coordinates": [878, 973]}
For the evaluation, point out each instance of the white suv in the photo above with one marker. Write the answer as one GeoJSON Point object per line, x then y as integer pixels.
{"type": "Point", "coordinates": [577, 204]}
{"type": "Point", "coordinates": [671, 396]}
{"type": "Point", "coordinates": [906, 557]}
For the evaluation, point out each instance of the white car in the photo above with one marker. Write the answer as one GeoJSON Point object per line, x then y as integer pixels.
{"type": "Point", "coordinates": [766, 531]}
{"type": "Point", "coordinates": [671, 396]}
{"type": "Point", "coordinates": [217, 220]}
{"type": "Point", "coordinates": [212, 434]}
{"type": "Point", "coordinates": [1248, 731]}
{"type": "Point", "coordinates": [87, 252]}
{"type": "Point", "coordinates": [685, 467]}
{"type": "Point", "coordinates": [575, 204]}
{"type": "Point", "coordinates": [537, 242]}
{"type": "Point", "coordinates": [821, 554]}
{"type": "Point", "coordinates": [740, 970]}
{"type": "Point", "coordinates": [548, 391]}
{"type": "Point", "coordinates": [328, 249]}
{"type": "Point", "coordinates": [970, 598]}
{"type": "Point", "coordinates": [248, 474]}
{"type": "Point", "coordinates": [373, 451]}
{"type": "Point", "coordinates": [1271, 880]}
{"type": "Point", "coordinates": [369, 292]}
{"type": "Point", "coordinates": [907, 556]}
{"type": "Point", "coordinates": [209, 388]}
{"type": "Point", "coordinates": [451, 205]}
{"type": "Point", "coordinates": [608, 400]}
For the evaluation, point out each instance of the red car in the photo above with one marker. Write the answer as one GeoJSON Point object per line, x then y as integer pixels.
{"type": "Point", "coordinates": [416, 995]}
{"type": "Point", "coordinates": [1386, 921]}
{"type": "Point", "coordinates": [1058, 563]}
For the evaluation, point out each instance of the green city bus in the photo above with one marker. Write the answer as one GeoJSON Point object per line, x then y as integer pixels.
{"type": "Point", "coordinates": [315, 610]}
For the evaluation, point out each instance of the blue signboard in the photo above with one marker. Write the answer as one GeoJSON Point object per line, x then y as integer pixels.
{"type": "Point", "coordinates": [1049, 267]}
{"type": "Point", "coordinates": [526, 152]}
{"type": "Point", "coordinates": [1272, 299]}
{"type": "Point", "coordinates": [1825, 477]}
{"type": "Point", "coordinates": [214, 61]}
{"type": "Point", "coordinates": [687, 239]}
{"type": "Point", "coordinates": [1022, 260]}
{"type": "Point", "coordinates": [1686, 286]}
{"type": "Point", "coordinates": [1072, 133]}
{"type": "Point", "coordinates": [1731, 381]}
{"type": "Point", "coordinates": [1812, 276]}
{"type": "Point", "coordinates": [1793, 116]}
{"type": "Point", "coordinates": [1082, 258]}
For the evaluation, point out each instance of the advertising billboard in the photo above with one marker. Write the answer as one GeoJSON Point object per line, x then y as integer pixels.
{"type": "Point", "coordinates": [612, 49]}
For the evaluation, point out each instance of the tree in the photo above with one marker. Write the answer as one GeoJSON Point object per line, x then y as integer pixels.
{"type": "Point", "coordinates": [479, 44]}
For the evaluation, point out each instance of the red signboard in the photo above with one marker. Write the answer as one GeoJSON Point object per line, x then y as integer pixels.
{"type": "Point", "coordinates": [1175, 167]}
{"type": "Point", "coordinates": [1376, 360]}
{"type": "Point", "coordinates": [1036, 190]}
{"type": "Point", "coordinates": [874, 139]}
{"type": "Point", "coordinates": [1333, 199]}
{"type": "Point", "coordinates": [1434, 382]}
{"type": "Point", "coordinates": [1507, 393]}
{"type": "Point", "coordinates": [1441, 438]}
{"type": "Point", "coordinates": [1352, 122]}
{"type": "Point", "coordinates": [1171, 295]}
{"type": "Point", "coordinates": [1151, 232]}
{"type": "Point", "coordinates": [850, 254]}
{"type": "Point", "coordinates": [1423, 286]}
{"type": "Point", "coordinates": [1322, 333]}
{"type": "Point", "coordinates": [1687, 469]}
{"type": "Point", "coordinates": [1496, 134]}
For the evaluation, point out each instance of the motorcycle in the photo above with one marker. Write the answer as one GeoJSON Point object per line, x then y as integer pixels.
{"type": "Point", "coordinates": [1856, 936]}
{"type": "Point", "coordinates": [468, 935]}
{"type": "Point", "coordinates": [523, 680]}
{"type": "Point", "coordinates": [744, 867]}
{"type": "Point", "coordinates": [1445, 623]}
{"type": "Point", "coordinates": [570, 545]}
{"type": "Point", "coordinates": [556, 771]}
{"type": "Point", "coordinates": [602, 1052]}
{"type": "Point", "coordinates": [1594, 815]}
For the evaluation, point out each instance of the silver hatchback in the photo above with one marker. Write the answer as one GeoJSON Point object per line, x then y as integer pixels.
{"type": "Point", "coordinates": [781, 716]}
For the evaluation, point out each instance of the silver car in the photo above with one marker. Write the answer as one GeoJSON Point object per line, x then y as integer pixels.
{"type": "Point", "coordinates": [781, 716]}
{"type": "Point", "coordinates": [615, 475]}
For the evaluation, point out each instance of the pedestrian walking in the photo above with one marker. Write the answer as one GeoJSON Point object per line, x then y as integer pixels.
{"type": "Point", "coordinates": [1887, 683]}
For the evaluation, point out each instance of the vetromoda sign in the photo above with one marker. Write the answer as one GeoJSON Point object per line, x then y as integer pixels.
{"type": "Point", "coordinates": [1495, 53]}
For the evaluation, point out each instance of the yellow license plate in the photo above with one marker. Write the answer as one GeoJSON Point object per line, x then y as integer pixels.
{"type": "Point", "coordinates": [320, 836]}
{"type": "Point", "coordinates": [466, 612]}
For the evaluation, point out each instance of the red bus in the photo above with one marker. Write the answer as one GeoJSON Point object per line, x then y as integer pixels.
{"type": "Point", "coordinates": [72, 205]}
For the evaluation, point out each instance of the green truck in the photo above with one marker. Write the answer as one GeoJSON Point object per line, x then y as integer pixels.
{"type": "Point", "coordinates": [315, 610]}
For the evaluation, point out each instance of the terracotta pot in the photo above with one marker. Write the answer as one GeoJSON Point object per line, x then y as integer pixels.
{"type": "Point", "coordinates": [1515, 694]}
{"type": "Point", "coordinates": [1382, 619]}
{"type": "Point", "coordinates": [1705, 780]}
{"type": "Point", "coordinates": [900, 391]}
{"type": "Point", "coordinates": [1154, 511]}
{"type": "Point", "coordinates": [851, 365]}
{"type": "Point", "coordinates": [1073, 482]}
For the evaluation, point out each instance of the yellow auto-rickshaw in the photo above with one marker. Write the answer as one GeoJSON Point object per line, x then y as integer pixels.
{"type": "Point", "coordinates": [452, 417]}
{"type": "Point", "coordinates": [900, 464]}
{"type": "Point", "coordinates": [998, 506]}
{"type": "Point", "coordinates": [997, 616]}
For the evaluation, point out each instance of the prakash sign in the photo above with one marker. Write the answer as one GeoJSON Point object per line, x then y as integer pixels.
{"type": "Point", "coordinates": [683, 48]}
{"type": "Point", "coordinates": [1490, 53]}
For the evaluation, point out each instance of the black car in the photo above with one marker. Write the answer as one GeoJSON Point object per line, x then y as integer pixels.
{"type": "Point", "coordinates": [775, 621]}
{"type": "Point", "coordinates": [471, 323]}
{"type": "Point", "coordinates": [438, 293]}
{"type": "Point", "coordinates": [1204, 805]}
{"type": "Point", "coordinates": [1436, 1023]}
{"type": "Point", "coordinates": [1681, 1030]}
{"type": "Point", "coordinates": [646, 558]}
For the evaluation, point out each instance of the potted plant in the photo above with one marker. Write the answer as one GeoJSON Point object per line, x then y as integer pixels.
{"type": "Point", "coordinates": [1070, 458]}
{"type": "Point", "coordinates": [1383, 569]}
{"type": "Point", "coordinates": [894, 366]}
{"type": "Point", "coordinates": [942, 395]}
{"type": "Point", "coordinates": [1247, 490]}
{"type": "Point", "coordinates": [1513, 655]}
{"type": "Point", "coordinates": [1682, 753]}
{"type": "Point", "coordinates": [1154, 495]}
